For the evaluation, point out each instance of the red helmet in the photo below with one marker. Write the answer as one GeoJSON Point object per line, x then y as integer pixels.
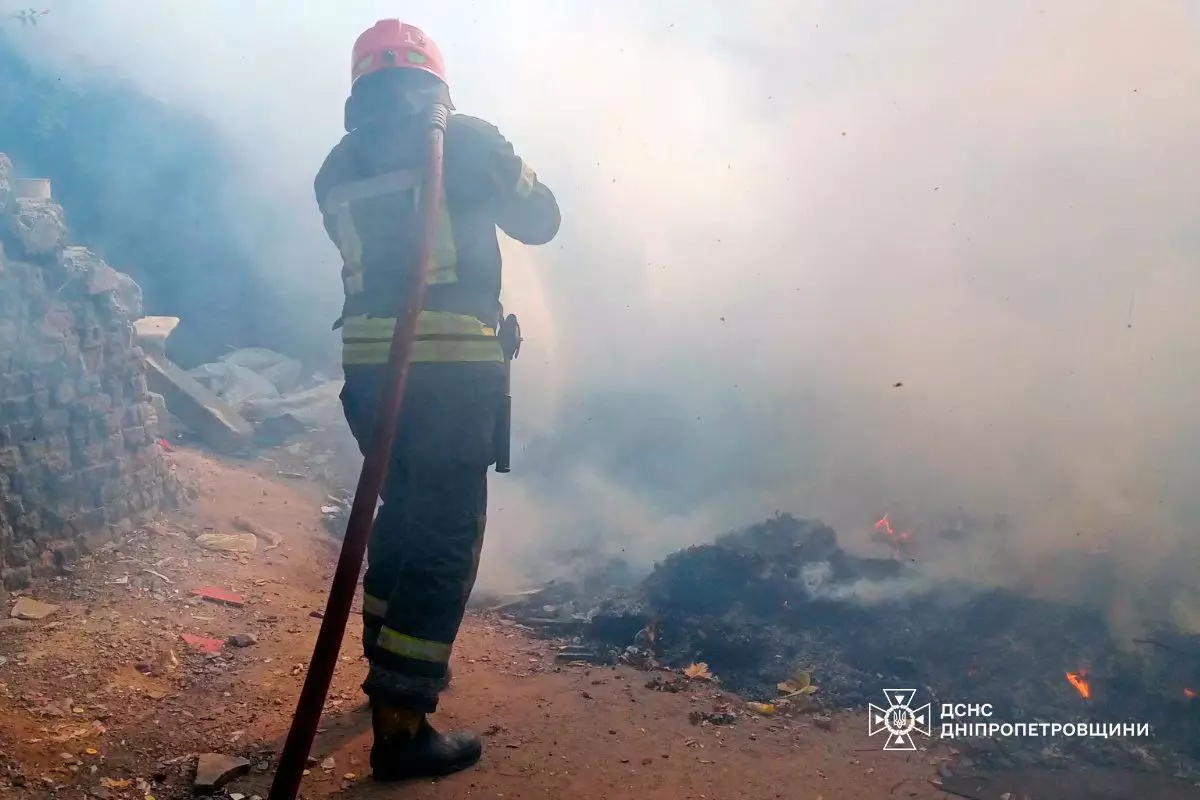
{"type": "Point", "coordinates": [392, 43]}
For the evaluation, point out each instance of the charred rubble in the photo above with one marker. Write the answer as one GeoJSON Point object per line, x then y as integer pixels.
{"type": "Point", "coordinates": [781, 598]}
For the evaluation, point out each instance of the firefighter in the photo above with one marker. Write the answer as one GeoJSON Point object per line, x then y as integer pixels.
{"type": "Point", "coordinates": [424, 549]}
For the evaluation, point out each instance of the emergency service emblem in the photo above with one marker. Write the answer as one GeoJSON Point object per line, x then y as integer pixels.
{"type": "Point", "coordinates": [899, 720]}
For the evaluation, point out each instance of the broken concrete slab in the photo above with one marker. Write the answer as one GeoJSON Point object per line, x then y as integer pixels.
{"type": "Point", "coordinates": [29, 609]}
{"type": "Point", "coordinates": [152, 332]}
{"type": "Point", "coordinates": [210, 417]}
{"type": "Point", "coordinates": [34, 189]}
{"type": "Point", "coordinates": [214, 770]}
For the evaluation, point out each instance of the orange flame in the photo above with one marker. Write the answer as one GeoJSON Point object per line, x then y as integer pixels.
{"type": "Point", "coordinates": [1189, 694]}
{"type": "Point", "coordinates": [884, 526]}
{"type": "Point", "coordinates": [1080, 682]}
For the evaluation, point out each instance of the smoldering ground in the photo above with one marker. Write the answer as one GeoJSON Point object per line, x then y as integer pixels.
{"type": "Point", "coordinates": [843, 259]}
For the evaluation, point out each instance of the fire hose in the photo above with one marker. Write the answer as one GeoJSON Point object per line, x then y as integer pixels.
{"type": "Point", "coordinates": [293, 759]}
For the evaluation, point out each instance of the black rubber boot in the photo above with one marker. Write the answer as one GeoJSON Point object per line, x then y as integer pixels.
{"type": "Point", "coordinates": [424, 754]}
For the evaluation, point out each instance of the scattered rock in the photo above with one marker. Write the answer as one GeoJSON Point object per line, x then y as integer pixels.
{"type": "Point", "coordinates": [317, 614]}
{"type": "Point", "coordinates": [712, 718]}
{"type": "Point", "coordinates": [673, 685]}
{"type": "Point", "coordinates": [242, 640]}
{"type": "Point", "coordinates": [329, 765]}
{"type": "Point", "coordinates": [249, 526]}
{"type": "Point", "coordinates": [29, 609]}
{"type": "Point", "coordinates": [214, 770]}
{"type": "Point", "coordinates": [228, 542]}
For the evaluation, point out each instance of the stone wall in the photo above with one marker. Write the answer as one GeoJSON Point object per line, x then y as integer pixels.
{"type": "Point", "coordinates": [79, 458]}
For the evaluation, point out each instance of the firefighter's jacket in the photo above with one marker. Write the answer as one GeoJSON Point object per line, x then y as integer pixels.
{"type": "Point", "coordinates": [369, 193]}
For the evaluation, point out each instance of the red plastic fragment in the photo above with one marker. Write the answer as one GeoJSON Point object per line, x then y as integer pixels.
{"type": "Point", "coordinates": [215, 594]}
{"type": "Point", "coordinates": [202, 643]}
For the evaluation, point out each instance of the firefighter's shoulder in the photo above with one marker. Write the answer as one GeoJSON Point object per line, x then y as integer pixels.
{"type": "Point", "coordinates": [463, 131]}
{"type": "Point", "coordinates": [333, 169]}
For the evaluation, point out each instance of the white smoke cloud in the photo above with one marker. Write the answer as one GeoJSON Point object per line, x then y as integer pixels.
{"type": "Point", "coordinates": [773, 214]}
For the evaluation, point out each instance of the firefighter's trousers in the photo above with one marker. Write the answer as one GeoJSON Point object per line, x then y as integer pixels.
{"type": "Point", "coordinates": [424, 549]}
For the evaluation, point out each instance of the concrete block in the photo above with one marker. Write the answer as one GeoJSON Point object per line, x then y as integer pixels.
{"type": "Point", "coordinates": [196, 407]}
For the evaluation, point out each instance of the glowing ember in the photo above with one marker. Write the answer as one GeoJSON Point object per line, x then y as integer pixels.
{"type": "Point", "coordinates": [1080, 682]}
{"type": "Point", "coordinates": [884, 526]}
{"type": "Point", "coordinates": [1189, 694]}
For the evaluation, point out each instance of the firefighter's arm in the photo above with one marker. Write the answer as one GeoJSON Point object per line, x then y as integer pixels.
{"type": "Point", "coordinates": [525, 208]}
{"type": "Point", "coordinates": [321, 186]}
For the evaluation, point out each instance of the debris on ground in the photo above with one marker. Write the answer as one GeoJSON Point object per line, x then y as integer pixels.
{"type": "Point", "coordinates": [712, 717]}
{"type": "Point", "coordinates": [228, 542]}
{"type": "Point", "coordinates": [662, 684]}
{"type": "Point", "coordinates": [756, 602]}
{"type": "Point", "coordinates": [203, 644]}
{"type": "Point", "coordinates": [117, 678]}
{"type": "Point", "coordinates": [258, 531]}
{"type": "Point", "coordinates": [798, 683]}
{"type": "Point", "coordinates": [215, 594]}
{"type": "Point", "coordinates": [217, 424]}
{"type": "Point", "coordinates": [31, 610]}
{"type": "Point", "coordinates": [335, 513]}
{"type": "Point", "coordinates": [242, 640]}
{"type": "Point", "coordinates": [214, 770]}
{"type": "Point", "coordinates": [267, 389]}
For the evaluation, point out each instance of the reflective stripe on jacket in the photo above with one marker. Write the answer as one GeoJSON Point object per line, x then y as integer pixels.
{"type": "Point", "coordinates": [441, 336]}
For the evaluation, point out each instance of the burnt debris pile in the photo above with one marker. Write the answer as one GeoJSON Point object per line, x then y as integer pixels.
{"type": "Point", "coordinates": [781, 598]}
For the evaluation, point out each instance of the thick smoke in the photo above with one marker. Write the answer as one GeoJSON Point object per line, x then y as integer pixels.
{"type": "Point", "coordinates": [925, 258]}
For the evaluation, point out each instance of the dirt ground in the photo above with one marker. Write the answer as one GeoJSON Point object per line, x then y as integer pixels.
{"type": "Point", "coordinates": [105, 698]}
